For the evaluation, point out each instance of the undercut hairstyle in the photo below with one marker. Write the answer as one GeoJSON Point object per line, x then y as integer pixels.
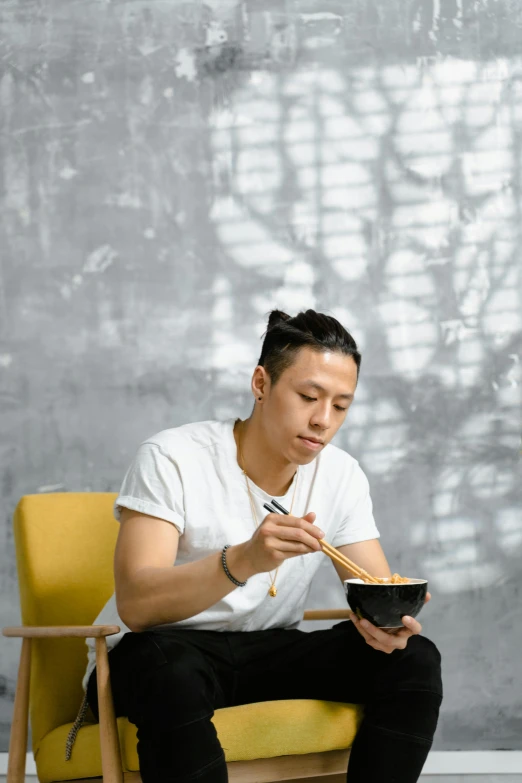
{"type": "Point", "coordinates": [285, 336]}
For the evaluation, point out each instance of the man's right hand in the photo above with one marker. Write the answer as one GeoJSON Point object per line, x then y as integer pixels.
{"type": "Point", "coordinates": [279, 537]}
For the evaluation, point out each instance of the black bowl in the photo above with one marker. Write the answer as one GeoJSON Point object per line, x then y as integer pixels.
{"type": "Point", "coordinates": [385, 605]}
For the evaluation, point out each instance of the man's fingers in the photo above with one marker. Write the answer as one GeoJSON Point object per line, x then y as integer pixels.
{"type": "Point", "coordinates": [411, 628]}
{"type": "Point", "coordinates": [412, 625]}
{"type": "Point", "coordinates": [301, 531]}
{"type": "Point", "coordinates": [379, 639]}
{"type": "Point", "coordinates": [428, 598]}
{"type": "Point", "coordinates": [386, 639]}
{"type": "Point", "coordinates": [296, 523]}
{"type": "Point", "coordinates": [364, 633]}
{"type": "Point", "coordinates": [298, 535]}
{"type": "Point", "coordinates": [372, 642]}
{"type": "Point", "coordinates": [295, 546]}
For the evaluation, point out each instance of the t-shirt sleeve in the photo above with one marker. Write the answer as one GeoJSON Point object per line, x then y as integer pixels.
{"type": "Point", "coordinates": [358, 524]}
{"type": "Point", "coordinates": [152, 485]}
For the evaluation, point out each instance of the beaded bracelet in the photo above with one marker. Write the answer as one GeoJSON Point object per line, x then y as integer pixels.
{"type": "Point", "coordinates": [227, 572]}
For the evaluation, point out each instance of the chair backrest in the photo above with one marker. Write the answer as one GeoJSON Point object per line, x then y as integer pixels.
{"type": "Point", "coordinates": [64, 554]}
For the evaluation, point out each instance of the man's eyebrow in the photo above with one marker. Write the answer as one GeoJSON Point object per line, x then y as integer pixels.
{"type": "Point", "coordinates": [321, 388]}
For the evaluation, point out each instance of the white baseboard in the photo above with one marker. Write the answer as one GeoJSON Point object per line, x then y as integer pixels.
{"type": "Point", "coordinates": [473, 762]}
{"type": "Point", "coordinates": [30, 766]}
{"type": "Point", "coordinates": [439, 762]}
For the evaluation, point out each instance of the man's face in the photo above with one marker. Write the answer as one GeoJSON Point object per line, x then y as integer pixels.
{"type": "Point", "coordinates": [295, 408]}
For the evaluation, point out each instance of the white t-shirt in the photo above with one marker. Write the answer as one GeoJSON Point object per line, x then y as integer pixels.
{"type": "Point", "coordinates": [190, 476]}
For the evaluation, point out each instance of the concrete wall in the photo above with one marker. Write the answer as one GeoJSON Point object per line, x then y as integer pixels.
{"type": "Point", "coordinates": [169, 172]}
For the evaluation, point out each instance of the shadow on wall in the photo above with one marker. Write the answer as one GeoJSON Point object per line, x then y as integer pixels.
{"type": "Point", "coordinates": [367, 182]}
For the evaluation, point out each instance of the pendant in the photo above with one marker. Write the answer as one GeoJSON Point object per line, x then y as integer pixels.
{"type": "Point", "coordinates": [273, 591]}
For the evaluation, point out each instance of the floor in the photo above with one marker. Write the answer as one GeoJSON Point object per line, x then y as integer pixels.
{"type": "Point", "coordinates": [423, 779]}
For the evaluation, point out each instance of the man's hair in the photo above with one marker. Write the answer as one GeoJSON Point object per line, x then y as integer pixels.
{"type": "Point", "coordinates": [285, 336]}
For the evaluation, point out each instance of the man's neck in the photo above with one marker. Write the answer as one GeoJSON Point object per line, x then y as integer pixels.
{"type": "Point", "coordinates": [266, 469]}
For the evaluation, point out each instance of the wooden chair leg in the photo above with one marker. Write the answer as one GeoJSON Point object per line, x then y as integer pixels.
{"type": "Point", "coordinates": [20, 724]}
{"type": "Point", "coordinates": [109, 740]}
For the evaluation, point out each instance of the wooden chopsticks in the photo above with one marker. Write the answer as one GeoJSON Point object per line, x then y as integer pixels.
{"type": "Point", "coordinates": [338, 557]}
{"type": "Point", "coordinates": [331, 551]}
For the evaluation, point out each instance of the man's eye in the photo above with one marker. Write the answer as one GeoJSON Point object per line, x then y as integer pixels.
{"type": "Point", "coordinates": [313, 399]}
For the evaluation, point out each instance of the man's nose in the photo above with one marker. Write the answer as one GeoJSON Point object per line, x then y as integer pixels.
{"type": "Point", "coordinates": [321, 419]}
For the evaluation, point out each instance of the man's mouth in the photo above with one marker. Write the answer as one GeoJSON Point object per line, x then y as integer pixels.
{"type": "Point", "coordinates": [312, 443]}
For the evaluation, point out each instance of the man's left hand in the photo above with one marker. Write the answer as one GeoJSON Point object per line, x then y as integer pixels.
{"type": "Point", "coordinates": [386, 642]}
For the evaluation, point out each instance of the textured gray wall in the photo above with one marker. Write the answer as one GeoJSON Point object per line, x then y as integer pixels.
{"type": "Point", "coordinates": [171, 171]}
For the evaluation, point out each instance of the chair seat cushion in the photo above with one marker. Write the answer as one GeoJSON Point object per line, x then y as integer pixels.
{"type": "Point", "coordinates": [248, 731]}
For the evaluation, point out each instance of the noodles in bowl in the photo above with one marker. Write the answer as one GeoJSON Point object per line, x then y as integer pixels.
{"type": "Point", "coordinates": [394, 579]}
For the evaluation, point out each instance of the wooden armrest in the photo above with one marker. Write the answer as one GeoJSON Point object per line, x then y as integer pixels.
{"type": "Point", "coordinates": [327, 614]}
{"type": "Point", "coordinates": [90, 631]}
{"type": "Point", "coordinates": [33, 631]}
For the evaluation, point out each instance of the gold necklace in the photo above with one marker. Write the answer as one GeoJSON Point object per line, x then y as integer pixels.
{"type": "Point", "coordinates": [273, 589]}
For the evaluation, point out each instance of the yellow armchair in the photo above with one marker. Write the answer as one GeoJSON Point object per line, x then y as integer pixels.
{"type": "Point", "coordinates": [64, 553]}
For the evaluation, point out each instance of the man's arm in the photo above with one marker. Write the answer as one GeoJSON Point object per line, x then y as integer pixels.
{"type": "Point", "coordinates": [366, 554]}
{"type": "Point", "coordinates": [150, 590]}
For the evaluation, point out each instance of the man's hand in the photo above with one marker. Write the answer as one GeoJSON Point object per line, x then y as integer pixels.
{"type": "Point", "coordinates": [279, 537]}
{"type": "Point", "coordinates": [384, 641]}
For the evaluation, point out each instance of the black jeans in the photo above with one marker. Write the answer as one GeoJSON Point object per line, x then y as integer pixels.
{"type": "Point", "coordinates": [169, 681]}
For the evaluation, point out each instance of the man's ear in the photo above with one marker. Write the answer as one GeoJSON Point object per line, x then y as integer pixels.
{"type": "Point", "coordinates": [260, 382]}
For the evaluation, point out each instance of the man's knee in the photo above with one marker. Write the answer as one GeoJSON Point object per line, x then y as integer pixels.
{"type": "Point", "coordinates": [422, 666]}
{"type": "Point", "coordinates": [409, 692]}
{"type": "Point", "coordinates": [176, 693]}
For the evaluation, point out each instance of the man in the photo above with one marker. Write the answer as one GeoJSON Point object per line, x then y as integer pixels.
{"type": "Point", "coordinates": [220, 628]}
